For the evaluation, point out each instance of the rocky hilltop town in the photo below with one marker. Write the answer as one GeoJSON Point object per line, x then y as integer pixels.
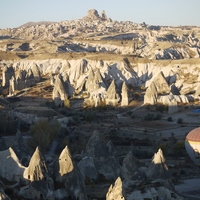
{"type": "Point", "coordinates": [99, 109]}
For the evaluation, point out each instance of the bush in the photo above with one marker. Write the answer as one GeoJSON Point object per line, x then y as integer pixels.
{"type": "Point", "coordinates": [179, 148]}
{"type": "Point", "coordinates": [161, 108]}
{"type": "Point", "coordinates": [150, 117]}
{"type": "Point", "coordinates": [66, 103]}
{"type": "Point", "coordinates": [169, 119]}
{"type": "Point", "coordinates": [43, 134]}
{"type": "Point", "coordinates": [179, 120]}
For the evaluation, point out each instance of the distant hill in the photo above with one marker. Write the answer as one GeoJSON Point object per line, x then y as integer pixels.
{"type": "Point", "coordinates": [29, 24]}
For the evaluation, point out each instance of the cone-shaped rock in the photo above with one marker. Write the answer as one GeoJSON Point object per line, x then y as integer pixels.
{"type": "Point", "coordinates": [161, 84]}
{"type": "Point", "coordinates": [65, 162]}
{"type": "Point", "coordinates": [37, 169]}
{"type": "Point", "coordinates": [124, 101]}
{"type": "Point", "coordinates": [10, 168]}
{"type": "Point", "coordinates": [106, 163]}
{"type": "Point", "coordinates": [69, 181]}
{"type": "Point", "coordinates": [151, 95]}
{"type": "Point", "coordinates": [112, 97]}
{"type": "Point", "coordinates": [115, 192]}
{"type": "Point", "coordinates": [129, 167]}
{"type": "Point", "coordinates": [87, 168]}
{"type": "Point", "coordinates": [65, 66]}
{"type": "Point", "coordinates": [158, 168]}
{"type": "Point", "coordinates": [59, 93]}
{"type": "Point", "coordinates": [36, 72]}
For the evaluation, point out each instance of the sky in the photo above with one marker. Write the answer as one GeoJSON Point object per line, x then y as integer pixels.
{"type": "Point", "coordinates": [14, 13]}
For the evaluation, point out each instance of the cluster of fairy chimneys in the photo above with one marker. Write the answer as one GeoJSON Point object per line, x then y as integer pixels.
{"type": "Point", "coordinates": [17, 79]}
{"type": "Point", "coordinates": [100, 92]}
{"type": "Point", "coordinates": [64, 179]}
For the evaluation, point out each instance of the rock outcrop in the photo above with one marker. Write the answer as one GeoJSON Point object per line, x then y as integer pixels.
{"type": "Point", "coordinates": [41, 185]}
{"type": "Point", "coordinates": [158, 168]}
{"type": "Point", "coordinates": [88, 169]}
{"type": "Point", "coordinates": [104, 162]}
{"type": "Point", "coordinates": [115, 191]}
{"type": "Point", "coordinates": [69, 180]}
{"type": "Point", "coordinates": [129, 167]}
{"type": "Point", "coordinates": [10, 163]}
{"type": "Point", "coordinates": [124, 93]}
{"type": "Point", "coordinates": [60, 95]}
{"type": "Point", "coordinates": [112, 97]}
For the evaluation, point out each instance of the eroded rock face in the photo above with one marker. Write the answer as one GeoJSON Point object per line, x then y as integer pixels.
{"type": "Point", "coordinates": [3, 196]}
{"type": "Point", "coordinates": [65, 162]}
{"type": "Point", "coordinates": [59, 93]}
{"type": "Point", "coordinates": [112, 97]}
{"type": "Point", "coordinates": [41, 185]}
{"type": "Point", "coordinates": [158, 168]}
{"type": "Point", "coordinates": [115, 191]}
{"type": "Point", "coordinates": [87, 168]}
{"type": "Point", "coordinates": [36, 72]}
{"type": "Point", "coordinates": [129, 167]}
{"type": "Point", "coordinates": [105, 162]}
{"type": "Point", "coordinates": [69, 181]}
{"type": "Point", "coordinates": [125, 100]}
{"type": "Point", "coordinates": [10, 167]}
{"type": "Point", "coordinates": [7, 73]}
{"type": "Point", "coordinates": [151, 95]}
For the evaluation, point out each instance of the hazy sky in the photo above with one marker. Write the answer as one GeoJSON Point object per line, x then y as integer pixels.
{"type": "Point", "coordinates": [14, 13]}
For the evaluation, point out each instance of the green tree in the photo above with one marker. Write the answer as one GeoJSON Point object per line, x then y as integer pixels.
{"type": "Point", "coordinates": [43, 134]}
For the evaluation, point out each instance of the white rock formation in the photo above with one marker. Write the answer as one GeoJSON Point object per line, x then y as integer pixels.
{"type": "Point", "coordinates": [10, 167]}
{"type": "Point", "coordinates": [158, 168]}
{"type": "Point", "coordinates": [125, 99]}
{"type": "Point", "coordinates": [112, 97]}
{"type": "Point", "coordinates": [59, 93]}
{"type": "Point", "coordinates": [115, 191]}
{"type": "Point", "coordinates": [65, 163]}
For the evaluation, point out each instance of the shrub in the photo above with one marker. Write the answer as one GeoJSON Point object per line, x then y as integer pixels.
{"type": "Point", "coordinates": [179, 120]}
{"type": "Point", "coordinates": [43, 133]}
{"type": "Point", "coordinates": [161, 108]}
{"type": "Point", "coordinates": [169, 119]}
{"type": "Point", "coordinates": [179, 148]}
{"type": "Point", "coordinates": [66, 103]}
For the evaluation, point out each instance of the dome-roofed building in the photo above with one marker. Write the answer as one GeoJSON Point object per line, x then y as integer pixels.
{"type": "Point", "coordinates": [192, 145]}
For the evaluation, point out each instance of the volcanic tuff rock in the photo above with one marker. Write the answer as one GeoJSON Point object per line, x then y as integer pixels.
{"type": "Point", "coordinates": [158, 168]}
{"type": "Point", "coordinates": [87, 168]}
{"type": "Point", "coordinates": [115, 191]}
{"type": "Point", "coordinates": [112, 97]}
{"type": "Point", "coordinates": [124, 93]}
{"type": "Point", "coordinates": [59, 93]}
{"type": "Point", "coordinates": [105, 163]}
{"type": "Point", "coordinates": [10, 163]}
{"type": "Point", "coordinates": [69, 181]}
{"type": "Point", "coordinates": [164, 83]}
{"type": "Point", "coordinates": [129, 167]}
{"type": "Point", "coordinates": [41, 185]}
{"type": "Point", "coordinates": [3, 196]}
